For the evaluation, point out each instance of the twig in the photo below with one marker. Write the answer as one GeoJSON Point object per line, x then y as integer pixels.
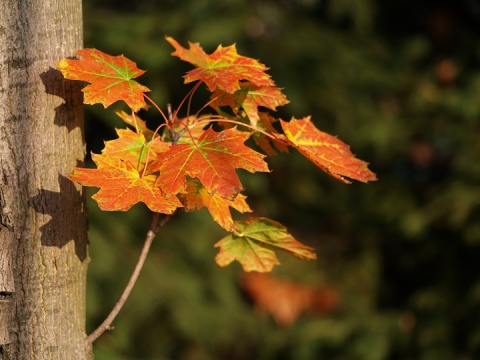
{"type": "Point", "coordinates": [106, 324]}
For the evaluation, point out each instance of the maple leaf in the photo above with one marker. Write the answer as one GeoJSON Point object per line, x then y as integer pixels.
{"type": "Point", "coordinates": [223, 69]}
{"type": "Point", "coordinates": [266, 143]}
{"type": "Point", "coordinates": [286, 300]}
{"type": "Point", "coordinates": [197, 197]}
{"type": "Point", "coordinates": [249, 98]}
{"type": "Point", "coordinates": [110, 78]}
{"type": "Point", "coordinates": [132, 147]}
{"type": "Point", "coordinates": [121, 186]}
{"type": "Point", "coordinates": [136, 122]}
{"type": "Point", "coordinates": [252, 242]}
{"type": "Point", "coordinates": [326, 151]}
{"type": "Point", "coordinates": [212, 160]}
{"type": "Point", "coordinates": [128, 146]}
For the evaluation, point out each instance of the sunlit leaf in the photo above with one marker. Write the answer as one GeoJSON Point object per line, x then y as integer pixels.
{"type": "Point", "coordinates": [326, 151]}
{"type": "Point", "coordinates": [253, 244]}
{"type": "Point", "coordinates": [122, 186]}
{"type": "Point", "coordinates": [223, 69]}
{"type": "Point", "coordinates": [110, 78]}
{"type": "Point", "coordinates": [136, 122]}
{"type": "Point", "coordinates": [249, 98]}
{"type": "Point", "coordinates": [212, 159]}
{"type": "Point", "coordinates": [197, 197]}
{"type": "Point", "coordinates": [134, 148]}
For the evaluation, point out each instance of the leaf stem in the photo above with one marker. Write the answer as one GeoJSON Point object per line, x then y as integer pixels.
{"type": "Point", "coordinates": [152, 232]}
{"type": "Point", "coordinates": [148, 151]}
{"type": "Point", "coordinates": [135, 121]}
{"type": "Point", "coordinates": [189, 96]}
{"type": "Point", "coordinates": [222, 119]}
{"type": "Point", "coordinates": [207, 104]}
{"type": "Point", "coordinates": [157, 107]}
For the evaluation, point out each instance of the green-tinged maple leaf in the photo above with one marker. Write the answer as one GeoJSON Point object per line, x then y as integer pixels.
{"type": "Point", "coordinates": [110, 78]}
{"type": "Point", "coordinates": [212, 160]}
{"type": "Point", "coordinates": [249, 98]}
{"type": "Point", "coordinates": [253, 243]}
{"type": "Point", "coordinates": [197, 197]}
{"type": "Point", "coordinates": [122, 186]}
{"type": "Point", "coordinates": [326, 151]}
{"type": "Point", "coordinates": [132, 147]}
{"type": "Point", "coordinates": [223, 69]}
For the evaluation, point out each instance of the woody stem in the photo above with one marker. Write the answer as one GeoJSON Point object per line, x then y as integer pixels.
{"type": "Point", "coordinates": [152, 232]}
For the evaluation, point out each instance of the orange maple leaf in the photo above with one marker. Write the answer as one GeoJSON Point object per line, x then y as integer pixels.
{"type": "Point", "coordinates": [198, 197]}
{"type": "Point", "coordinates": [212, 160]}
{"type": "Point", "coordinates": [286, 300]}
{"type": "Point", "coordinates": [266, 143]}
{"type": "Point", "coordinates": [136, 122]}
{"type": "Point", "coordinates": [326, 151]}
{"type": "Point", "coordinates": [223, 69]}
{"type": "Point", "coordinates": [122, 186]}
{"type": "Point", "coordinates": [252, 242]}
{"type": "Point", "coordinates": [110, 78]}
{"type": "Point", "coordinates": [249, 98]}
{"type": "Point", "coordinates": [134, 148]}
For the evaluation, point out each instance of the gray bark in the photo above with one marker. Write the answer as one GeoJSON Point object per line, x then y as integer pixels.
{"type": "Point", "coordinates": [43, 244]}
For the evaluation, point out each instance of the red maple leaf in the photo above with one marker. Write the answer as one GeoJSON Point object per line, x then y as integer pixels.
{"type": "Point", "coordinates": [326, 151]}
{"type": "Point", "coordinates": [223, 69]}
{"type": "Point", "coordinates": [212, 160]}
{"type": "Point", "coordinates": [197, 197]}
{"type": "Point", "coordinates": [110, 78]}
{"type": "Point", "coordinates": [252, 242]}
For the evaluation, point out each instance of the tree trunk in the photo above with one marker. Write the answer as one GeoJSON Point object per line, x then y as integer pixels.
{"type": "Point", "coordinates": [43, 244]}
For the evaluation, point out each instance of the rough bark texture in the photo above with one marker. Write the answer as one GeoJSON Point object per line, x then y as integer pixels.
{"type": "Point", "coordinates": [43, 244]}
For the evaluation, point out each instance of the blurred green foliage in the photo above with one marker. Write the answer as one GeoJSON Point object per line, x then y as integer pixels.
{"type": "Point", "coordinates": [400, 82]}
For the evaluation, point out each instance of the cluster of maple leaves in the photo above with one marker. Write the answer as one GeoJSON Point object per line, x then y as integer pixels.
{"type": "Point", "coordinates": [185, 163]}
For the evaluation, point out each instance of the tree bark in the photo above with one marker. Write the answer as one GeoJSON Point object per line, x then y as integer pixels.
{"type": "Point", "coordinates": [43, 242]}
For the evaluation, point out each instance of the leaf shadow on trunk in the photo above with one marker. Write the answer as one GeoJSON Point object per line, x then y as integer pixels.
{"type": "Point", "coordinates": [68, 216]}
{"type": "Point", "coordinates": [70, 113]}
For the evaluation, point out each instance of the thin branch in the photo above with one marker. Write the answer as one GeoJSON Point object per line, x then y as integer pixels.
{"type": "Point", "coordinates": [152, 232]}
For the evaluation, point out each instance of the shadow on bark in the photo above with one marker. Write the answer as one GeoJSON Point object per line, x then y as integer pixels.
{"type": "Point", "coordinates": [70, 113]}
{"type": "Point", "coordinates": [68, 220]}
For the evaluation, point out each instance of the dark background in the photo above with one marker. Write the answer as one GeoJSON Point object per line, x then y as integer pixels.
{"type": "Point", "coordinates": [399, 81]}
